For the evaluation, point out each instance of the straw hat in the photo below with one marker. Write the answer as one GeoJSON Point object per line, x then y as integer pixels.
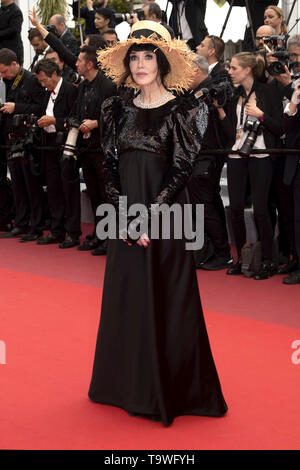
{"type": "Point", "coordinates": [178, 54]}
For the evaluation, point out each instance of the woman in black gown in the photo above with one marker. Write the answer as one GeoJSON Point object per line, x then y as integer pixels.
{"type": "Point", "coordinates": [153, 356]}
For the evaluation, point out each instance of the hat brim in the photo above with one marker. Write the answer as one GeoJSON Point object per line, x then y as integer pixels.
{"type": "Point", "coordinates": [179, 56]}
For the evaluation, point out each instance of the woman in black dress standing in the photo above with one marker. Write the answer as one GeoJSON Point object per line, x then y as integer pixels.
{"type": "Point", "coordinates": [153, 356]}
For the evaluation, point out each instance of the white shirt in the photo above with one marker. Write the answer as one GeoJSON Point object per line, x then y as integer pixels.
{"type": "Point", "coordinates": [211, 66]}
{"type": "Point", "coordinates": [49, 111]}
{"type": "Point", "coordinates": [185, 29]}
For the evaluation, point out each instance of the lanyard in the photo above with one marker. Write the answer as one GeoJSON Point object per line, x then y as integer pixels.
{"type": "Point", "coordinates": [243, 106]}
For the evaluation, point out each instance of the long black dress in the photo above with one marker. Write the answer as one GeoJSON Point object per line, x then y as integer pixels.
{"type": "Point", "coordinates": [153, 355]}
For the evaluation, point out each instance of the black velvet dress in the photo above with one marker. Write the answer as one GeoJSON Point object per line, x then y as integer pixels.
{"type": "Point", "coordinates": [153, 356]}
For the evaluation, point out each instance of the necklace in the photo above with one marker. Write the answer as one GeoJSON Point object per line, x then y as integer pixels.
{"type": "Point", "coordinates": [154, 103]}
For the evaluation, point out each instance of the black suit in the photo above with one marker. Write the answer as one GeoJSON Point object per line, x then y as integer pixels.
{"type": "Point", "coordinates": [11, 20]}
{"type": "Point", "coordinates": [27, 187]}
{"type": "Point", "coordinates": [292, 170]}
{"type": "Point", "coordinates": [195, 14]}
{"type": "Point", "coordinates": [204, 187]}
{"type": "Point", "coordinates": [69, 40]}
{"type": "Point", "coordinates": [88, 106]}
{"type": "Point", "coordinates": [63, 191]}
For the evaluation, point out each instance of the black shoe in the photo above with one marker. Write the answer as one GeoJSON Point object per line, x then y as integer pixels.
{"type": "Point", "coordinates": [69, 242]}
{"type": "Point", "coordinates": [6, 227]}
{"type": "Point", "coordinates": [291, 266]}
{"type": "Point", "coordinates": [30, 237]}
{"type": "Point", "coordinates": [100, 250]}
{"type": "Point", "coordinates": [235, 269]}
{"type": "Point", "coordinates": [267, 270]}
{"type": "Point", "coordinates": [50, 239]}
{"type": "Point", "coordinates": [15, 232]}
{"type": "Point", "coordinates": [89, 245]}
{"type": "Point", "coordinates": [215, 264]}
{"type": "Point", "coordinates": [294, 278]}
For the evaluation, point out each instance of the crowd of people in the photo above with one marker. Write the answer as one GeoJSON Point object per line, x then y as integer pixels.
{"type": "Point", "coordinates": [64, 89]}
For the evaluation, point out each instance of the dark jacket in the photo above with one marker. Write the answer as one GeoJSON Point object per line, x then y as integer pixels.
{"type": "Point", "coordinates": [63, 105]}
{"type": "Point", "coordinates": [291, 126]}
{"type": "Point", "coordinates": [90, 98]}
{"type": "Point", "coordinates": [66, 55]}
{"type": "Point", "coordinates": [11, 20]}
{"type": "Point", "coordinates": [195, 14]}
{"type": "Point", "coordinates": [70, 42]}
{"type": "Point", "coordinates": [270, 104]}
{"type": "Point", "coordinates": [28, 98]}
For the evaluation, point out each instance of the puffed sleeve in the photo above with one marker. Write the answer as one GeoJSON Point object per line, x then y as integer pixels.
{"type": "Point", "coordinates": [108, 124]}
{"type": "Point", "coordinates": [189, 126]}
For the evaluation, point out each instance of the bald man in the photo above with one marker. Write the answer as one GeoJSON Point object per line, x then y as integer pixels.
{"type": "Point", "coordinates": [263, 32]}
{"type": "Point", "coordinates": [64, 34]}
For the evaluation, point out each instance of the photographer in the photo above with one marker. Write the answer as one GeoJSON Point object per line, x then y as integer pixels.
{"type": "Point", "coordinates": [88, 13]}
{"type": "Point", "coordinates": [63, 189]}
{"type": "Point", "coordinates": [290, 67]}
{"type": "Point", "coordinates": [291, 126]}
{"type": "Point", "coordinates": [252, 120]}
{"type": "Point", "coordinates": [204, 186]}
{"type": "Point", "coordinates": [23, 96]}
{"type": "Point", "coordinates": [58, 22]}
{"type": "Point", "coordinates": [54, 42]}
{"type": "Point", "coordinates": [11, 20]}
{"type": "Point", "coordinates": [92, 92]}
{"type": "Point", "coordinates": [187, 21]}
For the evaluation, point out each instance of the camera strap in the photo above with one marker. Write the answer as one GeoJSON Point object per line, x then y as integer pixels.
{"type": "Point", "coordinates": [244, 102]}
{"type": "Point", "coordinates": [17, 79]}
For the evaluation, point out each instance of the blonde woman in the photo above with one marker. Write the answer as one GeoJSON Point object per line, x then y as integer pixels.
{"type": "Point", "coordinates": [254, 100]}
{"type": "Point", "coordinates": [273, 17]}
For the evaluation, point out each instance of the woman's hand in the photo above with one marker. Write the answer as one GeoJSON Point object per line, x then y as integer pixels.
{"type": "Point", "coordinates": [143, 240]}
{"type": "Point", "coordinates": [252, 110]}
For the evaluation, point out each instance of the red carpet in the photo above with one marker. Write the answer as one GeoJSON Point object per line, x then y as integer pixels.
{"type": "Point", "coordinates": [49, 325]}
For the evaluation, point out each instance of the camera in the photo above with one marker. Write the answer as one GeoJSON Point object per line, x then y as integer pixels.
{"type": "Point", "coordinates": [119, 17]}
{"type": "Point", "coordinates": [51, 29]}
{"type": "Point", "coordinates": [27, 136]}
{"type": "Point", "coordinates": [253, 125]}
{"type": "Point", "coordinates": [278, 44]}
{"type": "Point", "coordinates": [221, 92]}
{"type": "Point", "coordinates": [70, 146]}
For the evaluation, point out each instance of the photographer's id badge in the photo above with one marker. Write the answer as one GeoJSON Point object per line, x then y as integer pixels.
{"type": "Point", "coordinates": [239, 132]}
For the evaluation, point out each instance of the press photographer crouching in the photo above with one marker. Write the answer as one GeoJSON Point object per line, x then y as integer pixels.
{"type": "Point", "coordinates": [62, 175]}
{"type": "Point", "coordinates": [204, 185]}
{"type": "Point", "coordinates": [92, 92]}
{"type": "Point", "coordinates": [253, 120]}
{"type": "Point", "coordinates": [23, 97]}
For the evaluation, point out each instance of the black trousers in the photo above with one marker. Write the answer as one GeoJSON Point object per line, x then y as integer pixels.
{"type": "Point", "coordinates": [281, 206]}
{"type": "Point", "coordinates": [92, 168]}
{"type": "Point", "coordinates": [206, 190]}
{"type": "Point", "coordinates": [28, 195]}
{"type": "Point", "coordinates": [63, 191]}
{"type": "Point", "coordinates": [260, 172]}
{"type": "Point", "coordinates": [296, 191]}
